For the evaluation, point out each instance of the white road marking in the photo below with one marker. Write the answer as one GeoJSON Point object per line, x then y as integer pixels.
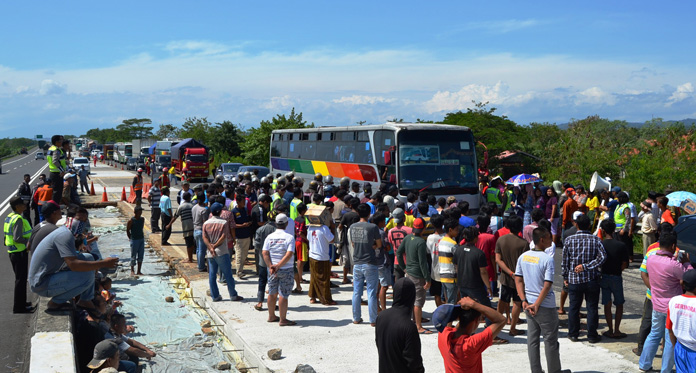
{"type": "Point", "coordinates": [6, 204]}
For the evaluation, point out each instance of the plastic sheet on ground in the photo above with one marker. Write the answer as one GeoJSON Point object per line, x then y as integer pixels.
{"type": "Point", "coordinates": [169, 328]}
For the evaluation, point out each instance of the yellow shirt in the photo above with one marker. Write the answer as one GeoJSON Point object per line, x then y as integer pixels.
{"type": "Point", "coordinates": [592, 203]}
{"type": "Point", "coordinates": [408, 222]}
{"type": "Point", "coordinates": [172, 170]}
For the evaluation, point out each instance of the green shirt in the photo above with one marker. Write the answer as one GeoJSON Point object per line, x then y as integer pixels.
{"type": "Point", "coordinates": [416, 257]}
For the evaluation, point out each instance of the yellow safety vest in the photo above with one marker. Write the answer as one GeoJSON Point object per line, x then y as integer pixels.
{"type": "Point", "coordinates": [63, 159]}
{"type": "Point", "coordinates": [619, 217]}
{"type": "Point", "coordinates": [49, 156]}
{"type": "Point", "coordinates": [10, 221]}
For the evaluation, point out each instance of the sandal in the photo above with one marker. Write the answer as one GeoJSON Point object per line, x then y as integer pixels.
{"type": "Point", "coordinates": [620, 335]}
{"type": "Point", "coordinates": [297, 291]}
{"type": "Point", "coordinates": [258, 308]}
{"type": "Point", "coordinates": [608, 335]}
{"type": "Point", "coordinates": [332, 303]}
{"type": "Point", "coordinates": [500, 341]}
{"type": "Point", "coordinates": [425, 331]}
{"type": "Point", "coordinates": [277, 319]}
{"type": "Point", "coordinates": [288, 323]}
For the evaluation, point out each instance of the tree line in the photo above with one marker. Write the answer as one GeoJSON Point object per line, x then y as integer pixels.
{"type": "Point", "coordinates": [655, 156]}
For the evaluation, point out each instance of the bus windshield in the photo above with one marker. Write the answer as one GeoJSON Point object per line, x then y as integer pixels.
{"type": "Point", "coordinates": [443, 162]}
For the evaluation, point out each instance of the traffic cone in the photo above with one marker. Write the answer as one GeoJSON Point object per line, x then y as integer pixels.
{"type": "Point", "coordinates": [123, 194]}
{"type": "Point", "coordinates": [105, 198]}
{"type": "Point", "coordinates": [121, 167]}
{"type": "Point", "coordinates": [91, 191]}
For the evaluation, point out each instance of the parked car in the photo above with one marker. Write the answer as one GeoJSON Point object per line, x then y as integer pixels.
{"type": "Point", "coordinates": [141, 161]}
{"type": "Point", "coordinates": [163, 161]}
{"type": "Point", "coordinates": [81, 161]}
{"type": "Point", "coordinates": [131, 163]}
{"type": "Point", "coordinates": [686, 236]}
{"type": "Point", "coordinates": [39, 155]}
{"type": "Point", "coordinates": [263, 171]}
{"type": "Point", "coordinates": [228, 170]}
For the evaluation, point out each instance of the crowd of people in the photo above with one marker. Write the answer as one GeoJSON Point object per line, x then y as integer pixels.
{"type": "Point", "coordinates": [423, 247]}
{"type": "Point", "coordinates": [436, 247]}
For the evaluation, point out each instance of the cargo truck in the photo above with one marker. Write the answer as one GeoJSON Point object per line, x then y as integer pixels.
{"type": "Point", "coordinates": [190, 159]}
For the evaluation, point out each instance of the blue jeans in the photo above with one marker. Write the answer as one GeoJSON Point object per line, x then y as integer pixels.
{"type": "Point", "coordinates": [263, 280]}
{"type": "Point", "coordinates": [137, 251]}
{"type": "Point", "coordinates": [365, 273]}
{"type": "Point", "coordinates": [450, 291]}
{"type": "Point", "coordinates": [225, 265]}
{"type": "Point", "coordinates": [657, 332]}
{"type": "Point", "coordinates": [127, 366]}
{"type": "Point", "coordinates": [200, 249]}
{"type": "Point", "coordinates": [65, 285]}
{"type": "Point", "coordinates": [590, 292]}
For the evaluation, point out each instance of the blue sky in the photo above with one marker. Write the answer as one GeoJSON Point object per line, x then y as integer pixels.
{"type": "Point", "coordinates": [78, 65]}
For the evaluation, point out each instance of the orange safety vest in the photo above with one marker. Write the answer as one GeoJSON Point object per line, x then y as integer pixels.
{"type": "Point", "coordinates": [45, 194]}
{"type": "Point", "coordinates": [138, 183]}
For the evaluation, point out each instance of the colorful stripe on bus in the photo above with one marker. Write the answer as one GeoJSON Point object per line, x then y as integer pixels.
{"type": "Point", "coordinates": [358, 172]}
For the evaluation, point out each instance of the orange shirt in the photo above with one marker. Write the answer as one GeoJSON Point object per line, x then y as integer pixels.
{"type": "Point", "coordinates": [667, 217]}
{"type": "Point", "coordinates": [569, 207]}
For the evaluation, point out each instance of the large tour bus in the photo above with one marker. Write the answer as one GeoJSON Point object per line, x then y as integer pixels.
{"type": "Point", "coordinates": [122, 151]}
{"type": "Point", "coordinates": [437, 158]}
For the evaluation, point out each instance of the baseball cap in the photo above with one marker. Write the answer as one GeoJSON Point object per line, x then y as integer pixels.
{"type": "Point", "coordinates": [418, 225]}
{"type": "Point", "coordinates": [103, 350]}
{"type": "Point", "coordinates": [558, 187]}
{"type": "Point", "coordinates": [398, 215]}
{"type": "Point", "coordinates": [576, 214]}
{"type": "Point", "coordinates": [570, 191]}
{"type": "Point", "coordinates": [689, 279]}
{"type": "Point", "coordinates": [281, 219]}
{"type": "Point", "coordinates": [616, 189]}
{"type": "Point", "coordinates": [216, 207]}
{"type": "Point", "coordinates": [444, 315]}
{"type": "Point", "coordinates": [140, 170]}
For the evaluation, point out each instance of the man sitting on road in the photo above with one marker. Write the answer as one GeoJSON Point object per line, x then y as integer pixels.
{"type": "Point", "coordinates": [48, 278]}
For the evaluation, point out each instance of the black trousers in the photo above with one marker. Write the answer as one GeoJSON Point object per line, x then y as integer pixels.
{"type": "Point", "coordinates": [166, 232]}
{"type": "Point", "coordinates": [645, 323]}
{"type": "Point", "coordinates": [27, 214]}
{"type": "Point", "coordinates": [154, 219]}
{"type": "Point", "coordinates": [57, 185]}
{"type": "Point", "coordinates": [20, 265]}
{"type": "Point", "coordinates": [37, 220]}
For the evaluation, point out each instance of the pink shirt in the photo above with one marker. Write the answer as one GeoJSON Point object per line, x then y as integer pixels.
{"type": "Point", "coordinates": [665, 273]}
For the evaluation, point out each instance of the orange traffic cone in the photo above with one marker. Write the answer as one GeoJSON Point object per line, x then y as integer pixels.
{"type": "Point", "coordinates": [123, 194]}
{"type": "Point", "coordinates": [121, 167]}
{"type": "Point", "coordinates": [105, 198]}
{"type": "Point", "coordinates": [91, 191]}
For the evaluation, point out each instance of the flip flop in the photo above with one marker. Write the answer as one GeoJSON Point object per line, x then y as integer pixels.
{"type": "Point", "coordinates": [288, 323]}
{"type": "Point", "coordinates": [297, 291]}
{"type": "Point", "coordinates": [332, 303]}
{"type": "Point", "coordinates": [277, 319]}
{"type": "Point", "coordinates": [620, 335]}
{"type": "Point", "coordinates": [258, 308]}
{"type": "Point", "coordinates": [425, 331]}
{"type": "Point", "coordinates": [500, 341]}
{"type": "Point", "coordinates": [608, 335]}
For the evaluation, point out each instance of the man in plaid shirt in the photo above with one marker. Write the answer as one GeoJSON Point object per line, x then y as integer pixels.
{"type": "Point", "coordinates": [583, 255]}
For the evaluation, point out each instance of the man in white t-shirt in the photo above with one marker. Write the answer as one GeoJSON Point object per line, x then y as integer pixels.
{"type": "Point", "coordinates": [681, 324]}
{"type": "Point", "coordinates": [320, 236]}
{"type": "Point", "coordinates": [534, 282]}
{"type": "Point", "coordinates": [278, 249]}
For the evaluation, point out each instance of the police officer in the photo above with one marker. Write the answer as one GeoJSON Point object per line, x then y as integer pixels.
{"type": "Point", "coordinates": [54, 156]}
{"type": "Point", "coordinates": [17, 234]}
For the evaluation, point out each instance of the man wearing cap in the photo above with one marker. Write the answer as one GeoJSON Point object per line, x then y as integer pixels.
{"type": "Point", "coordinates": [215, 236]}
{"type": "Point", "coordinates": [278, 249]}
{"type": "Point", "coordinates": [67, 189]}
{"type": "Point", "coordinates": [534, 282]}
{"type": "Point", "coordinates": [461, 347]}
{"type": "Point", "coordinates": [416, 268]}
{"type": "Point", "coordinates": [106, 355]}
{"type": "Point", "coordinates": [153, 197]}
{"type": "Point", "coordinates": [681, 324]}
{"type": "Point", "coordinates": [569, 208]}
{"type": "Point", "coordinates": [583, 255]}
{"type": "Point", "coordinates": [17, 233]}
{"type": "Point", "coordinates": [138, 187]}
{"type": "Point", "coordinates": [185, 188]}
{"type": "Point", "coordinates": [665, 275]}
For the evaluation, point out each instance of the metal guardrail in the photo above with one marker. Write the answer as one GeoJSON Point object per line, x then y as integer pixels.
{"type": "Point", "coordinates": [29, 150]}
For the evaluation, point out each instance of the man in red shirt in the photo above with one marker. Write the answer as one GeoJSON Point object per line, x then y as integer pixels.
{"type": "Point", "coordinates": [486, 243]}
{"type": "Point", "coordinates": [460, 347]}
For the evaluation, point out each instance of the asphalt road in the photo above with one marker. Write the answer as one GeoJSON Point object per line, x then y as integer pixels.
{"type": "Point", "coordinates": [14, 343]}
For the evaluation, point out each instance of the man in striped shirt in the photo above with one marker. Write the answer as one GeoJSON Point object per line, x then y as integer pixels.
{"type": "Point", "coordinates": [184, 212]}
{"type": "Point", "coordinates": [215, 236]}
{"type": "Point", "coordinates": [153, 198]}
{"type": "Point", "coordinates": [448, 274]}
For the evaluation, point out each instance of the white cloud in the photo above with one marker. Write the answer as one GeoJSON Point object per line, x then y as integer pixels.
{"type": "Point", "coordinates": [196, 46]}
{"type": "Point", "coordinates": [683, 92]}
{"type": "Point", "coordinates": [51, 87]}
{"type": "Point", "coordinates": [465, 97]}
{"type": "Point", "coordinates": [362, 100]}
{"type": "Point", "coordinates": [278, 103]}
{"type": "Point", "coordinates": [503, 26]}
{"type": "Point", "coordinates": [594, 96]}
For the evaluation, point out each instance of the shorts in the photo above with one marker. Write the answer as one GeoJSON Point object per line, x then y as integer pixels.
{"type": "Point", "coordinates": [612, 285]}
{"type": "Point", "coordinates": [435, 288]}
{"type": "Point", "coordinates": [684, 358]}
{"type": "Point", "coordinates": [302, 252]}
{"type": "Point", "coordinates": [507, 293]}
{"type": "Point", "coordinates": [385, 275]}
{"type": "Point", "coordinates": [281, 282]}
{"type": "Point", "coordinates": [420, 289]}
{"type": "Point", "coordinates": [190, 242]}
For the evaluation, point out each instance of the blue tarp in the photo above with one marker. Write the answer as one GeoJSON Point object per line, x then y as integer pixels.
{"type": "Point", "coordinates": [152, 148]}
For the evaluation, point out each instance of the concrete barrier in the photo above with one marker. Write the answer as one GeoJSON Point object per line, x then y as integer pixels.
{"type": "Point", "coordinates": [52, 343]}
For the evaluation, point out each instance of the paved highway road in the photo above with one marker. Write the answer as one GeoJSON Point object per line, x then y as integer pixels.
{"type": "Point", "coordinates": [14, 343]}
